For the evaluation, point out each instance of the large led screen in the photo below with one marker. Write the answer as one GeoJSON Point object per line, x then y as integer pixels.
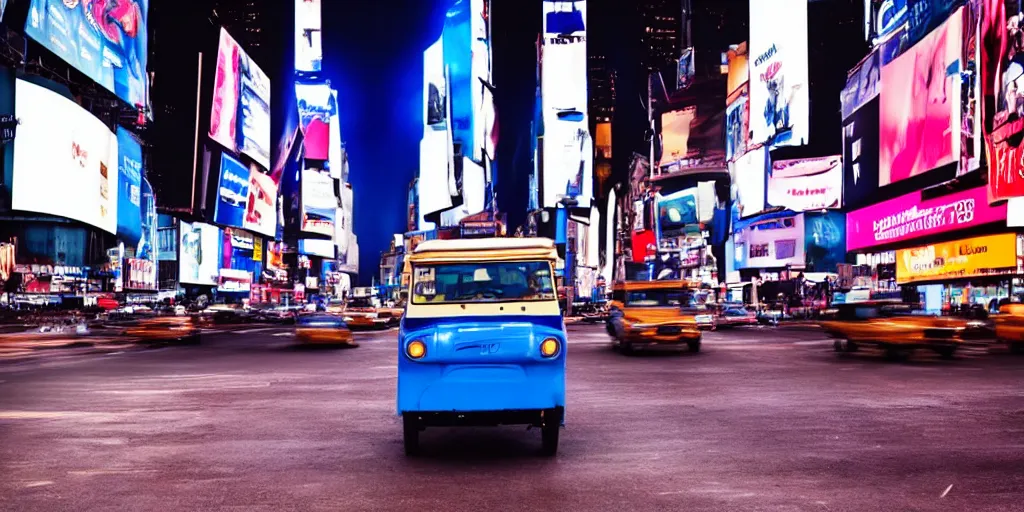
{"type": "Point", "coordinates": [910, 216]}
{"type": "Point", "coordinates": [825, 243]}
{"type": "Point", "coordinates": [458, 58]}
{"type": "Point", "coordinates": [779, 89]}
{"type": "Point", "coordinates": [920, 106]}
{"type": "Point", "coordinates": [806, 184]}
{"type": "Point", "coordinates": [261, 206]}
{"type": "Point", "coordinates": [772, 243]}
{"type": "Point", "coordinates": [106, 40]}
{"type": "Point", "coordinates": [860, 155]}
{"type": "Point", "coordinates": [232, 193]}
{"type": "Point", "coordinates": [316, 108]}
{"type": "Point", "coordinates": [568, 147]}
{"type": "Point", "coordinates": [308, 44]}
{"type": "Point", "coordinates": [240, 117]}
{"type": "Point", "coordinates": [318, 203]}
{"type": "Point", "coordinates": [200, 247]}
{"type": "Point", "coordinates": [480, 67]}
{"type": "Point", "coordinates": [337, 157]}
{"type": "Point", "coordinates": [433, 176]}
{"type": "Point", "coordinates": [65, 160]}
{"type": "Point", "coordinates": [435, 96]}
{"type": "Point", "coordinates": [748, 181]}
{"type": "Point", "coordinates": [473, 194]}
{"type": "Point", "coordinates": [129, 188]}
{"type": "Point", "coordinates": [1002, 85]}
{"type": "Point", "coordinates": [677, 211]}
{"type": "Point", "coordinates": [675, 134]}
{"type": "Point", "coordinates": [737, 125]}
{"type": "Point", "coordinates": [862, 84]}
{"type": "Point", "coordinates": [738, 67]}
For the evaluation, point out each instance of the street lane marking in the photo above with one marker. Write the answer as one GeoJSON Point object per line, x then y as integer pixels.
{"type": "Point", "coordinates": [284, 334]}
{"type": "Point", "coordinates": [260, 329]}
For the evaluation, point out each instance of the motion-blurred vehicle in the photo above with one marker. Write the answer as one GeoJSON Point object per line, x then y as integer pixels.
{"type": "Point", "coordinates": [361, 313]}
{"type": "Point", "coordinates": [323, 328]}
{"type": "Point", "coordinates": [483, 341]}
{"type": "Point", "coordinates": [184, 329]}
{"type": "Point", "coordinates": [894, 327]}
{"type": "Point", "coordinates": [654, 314]}
{"type": "Point", "coordinates": [1010, 327]}
{"type": "Point", "coordinates": [733, 315]}
{"type": "Point", "coordinates": [278, 314]}
{"type": "Point", "coordinates": [591, 312]}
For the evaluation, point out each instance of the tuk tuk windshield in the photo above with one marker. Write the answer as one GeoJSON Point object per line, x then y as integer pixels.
{"type": "Point", "coordinates": [482, 282]}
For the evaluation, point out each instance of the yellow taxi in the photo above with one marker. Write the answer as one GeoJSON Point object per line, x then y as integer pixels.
{"type": "Point", "coordinates": [1010, 326]}
{"type": "Point", "coordinates": [323, 329]}
{"type": "Point", "coordinates": [165, 329]}
{"type": "Point", "coordinates": [894, 327]}
{"type": "Point", "coordinates": [362, 313]}
{"type": "Point", "coordinates": [653, 314]}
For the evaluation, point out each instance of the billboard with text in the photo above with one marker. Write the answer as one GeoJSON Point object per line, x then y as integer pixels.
{"type": "Point", "coordinates": [779, 88]}
{"type": "Point", "coordinates": [806, 184]}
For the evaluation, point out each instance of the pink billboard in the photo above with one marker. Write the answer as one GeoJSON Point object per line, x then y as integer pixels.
{"type": "Point", "coordinates": [920, 106]}
{"type": "Point", "coordinates": [909, 217]}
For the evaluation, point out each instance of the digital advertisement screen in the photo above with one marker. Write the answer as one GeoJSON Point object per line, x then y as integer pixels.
{"type": "Point", "coordinates": [139, 274]}
{"type": "Point", "coordinates": [316, 108]}
{"type": "Point", "coordinates": [65, 160]}
{"type": "Point", "coordinates": [474, 191]}
{"type": "Point", "coordinates": [748, 181]}
{"type": "Point", "coordinates": [920, 106]}
{"type": "Point", "coordinates": [308, 36]}
{"type": "Point", "coordinates": [232, 193]}
{"type": "Point", "coordinates": [825, 244]}
{"type": "Point", "coordinates": [737, 125]}
{"type": "Point", "coordinates": [107, 41]}
{"type": "Point", "coordinates": [971, 257]}
{"type": "Point", "coordinates": [899, 24]}
{"type": "Point", "coordinates": [772, 243]}
{"type": "Point", "coordinates": [568, 147]}
{"type": "Point", "coordinates": [318, 203]}
{"type": "Point", "coordinates": [779, 90]}
{"type": "Point", "coordinates": [323, 248]}
{"type": "Point", "coordinates": [806, 184]}
{"type": "Point", "coordinates": [435, 113]}
{"type": "Point", "coordinates": [337, 156]}
{"type": "Point", "coordinates": [129, 187]}
{"type": "Point", "coordinates": [738, 65]}
{"type": "Point", "coordinates": [676, 211]}
{"type": "Point", "coordinates": [458, 57]}
{"type": "Point", "coordinates": [862, 84]}
{"type": "Point", "coordinates": [200, 247]}
{"type": "Point", "coordinates": [908, 217]}
{"type": "Point", "coordinates": [147, 245]}
{"type": "Point", "coordinates": [860, 155]}
{"type": "Point", "coordinates": [1002, 85]}
{"type": "Point", "coordinates": [480, 66]}
{"type": "Point", "coordinates": [233, 280]}
{"type": "Point", "coordinates": [261, 206]}
{"type": "Point", "coordinates": [675, 134]}
{"type": "Point", "coordinates": [240, 118]}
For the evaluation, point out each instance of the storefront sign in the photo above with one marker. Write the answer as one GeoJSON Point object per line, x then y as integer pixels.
{"type": "Point", "coordinates": [231, 280]}
{"type": "Point", "coordinates": [806, 184]}
{"type": "Point", "coordinates": [909, 217]}
{"type": "Point", "coordinates": [972, 257]}
{"type": "Point", "coordinates": [139, 274]}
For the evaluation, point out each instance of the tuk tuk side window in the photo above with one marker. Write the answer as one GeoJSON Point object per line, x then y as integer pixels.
{"type": "Point", "coordinates": [482, 282]}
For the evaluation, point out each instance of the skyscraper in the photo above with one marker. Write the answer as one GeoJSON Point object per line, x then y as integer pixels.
{"type": "Point", "coordinates": [246, 20]}
{"type": "Point", "coordinates": [601, 77]}
{"type": "Point", "coordinates": [661, 40]}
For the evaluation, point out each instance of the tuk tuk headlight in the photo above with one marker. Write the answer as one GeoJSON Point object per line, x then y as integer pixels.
{"type": "Point", "coordinates": [549, 347]}
{"type": "Point", "coordinates": [415, 349]}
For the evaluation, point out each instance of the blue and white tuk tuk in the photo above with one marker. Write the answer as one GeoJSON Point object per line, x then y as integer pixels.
{"type": "Point", "coordinates": [482, 341]}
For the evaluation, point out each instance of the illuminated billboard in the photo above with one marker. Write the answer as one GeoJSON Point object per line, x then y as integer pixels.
{"type": "Point", "coordinates": [779, 89]}
{"type": "Point", "coordinates": [129, 188]}
{"type": "Point", "coordinates": [771, 243]}
{"type": "Point", "coordinates": [65, 160]}
{"type": "Point", "coordinates": [240, 117]}
{"type": "Point", "coordinates": [432, 184]}
{"type": "Point", "coordinates": [806, 184]}
{"type": "Point", "coordinates": [308, 44]}
{"type": "Point", "coordinates": [316, 108]}
{"type": "Point", "coordinates": [107, 41]}
{"type": "Point", "coordinates": [1002, 84]}
{"type": "Point", "coordinates": [737, 125]}
{"type": "Point", "coordinates": [920, 106]}
{"type": "Point", "coordinates": [261, 207]}
{"type": "Point", "coordinates": [458, 50]}
{"type": "Point", "coordinates": [675, 134]}
{"type": "Point", "coordinates": [139, 274]}
{"type": "Point", "coordinates": [232, 193]}
{"type": "Point", "coordinates": [473, 194]}
{"type": "Point", "coordinates": [568, 147]}
{"type": "Point", "coordinates": [319, 205]}
{"type": "Point", "coordinates": [748, 181]}
{"type": "Point", "coordinates": [337, 157]}
{"type": "Point", "coordinates": [200, 246]}
{"type": "Point", "coordinates": [738, 67]}
{"type": "Point", "coordinates": [862, 84]}
{"type": "Point", "coordinates": [480, 68]}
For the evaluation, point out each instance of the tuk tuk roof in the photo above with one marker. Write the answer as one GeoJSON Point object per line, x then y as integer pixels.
{"type": "Point", "coordinates": [484, 249]}
{"type": "Point", "coordinates": [675, 284]}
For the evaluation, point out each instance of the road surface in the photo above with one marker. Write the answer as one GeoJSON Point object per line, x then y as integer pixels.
{"type": "Point", "coordinates": [762, 419]}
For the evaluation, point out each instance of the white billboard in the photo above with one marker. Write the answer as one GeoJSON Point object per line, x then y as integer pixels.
{"type": "Point", "coordinates": [480, 69]}
{"type": "Point", "coordinates": [432, 186]}
{"type": "Point", "coordinates": [200, 254]}
{"type": "Point", "coordinates": [308, 33]}
{"type": "Point", "coordinates": [319, 205]}
{"type": "Point", "coordinates": [771, 243]}
{"type": "Point", "coordinates": [779, 99]}
{"type": "Point", "coordinates": [473, 194]}
{"type": "Point", "coordinates": [748, 181]}
{"type": "Point", "coordinates": [65, 159]}
{"type": "Point", "coordinates": [568, 166]}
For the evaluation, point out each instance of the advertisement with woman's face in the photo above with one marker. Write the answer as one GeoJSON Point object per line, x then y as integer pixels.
{"type": "Point", "coordinates": [920, 106]}
{"type": "Point", "coordinates": [200, 247]}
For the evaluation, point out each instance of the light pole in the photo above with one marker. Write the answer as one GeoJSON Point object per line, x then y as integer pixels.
{"type": "Point", "coordinates": [570, 256]}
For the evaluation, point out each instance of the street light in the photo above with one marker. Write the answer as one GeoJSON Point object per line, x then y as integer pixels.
{"type": "Point", "coordinates": [570, 256]}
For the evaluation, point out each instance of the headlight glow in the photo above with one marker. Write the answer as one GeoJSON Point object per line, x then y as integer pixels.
{"type": "Point", "coordinates": [415, 349]}
{"type": "Point", "coordinates": [549, 347]}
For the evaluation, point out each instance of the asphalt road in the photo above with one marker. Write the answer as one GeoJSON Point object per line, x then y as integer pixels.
{"type": "Point", "coordinates": [761, 419]}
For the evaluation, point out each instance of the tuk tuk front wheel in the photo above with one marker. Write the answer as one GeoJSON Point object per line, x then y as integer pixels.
{"type": "Point", "coordinates": [411, 435]}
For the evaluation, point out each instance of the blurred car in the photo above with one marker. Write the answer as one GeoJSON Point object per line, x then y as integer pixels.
{"type": "Point", "coordinates": [361, 313]}
{"type": "Point", "coordinates": [734, 316]}
{"type": "Point", "coordinates": [894, 327]}
{"type": "Point", "coordinates": [166, 328]}
{"type": "Point", "coordinates": [278, 314]}
{"type": "Point", "coordinates": [323, 328]}
{"type": "Point", "coordinates": [1009, 326]}
{"type": "Point", "coordinates": [654, 314]}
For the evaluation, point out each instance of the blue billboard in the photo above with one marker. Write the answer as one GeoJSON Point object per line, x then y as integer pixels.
{"type": "Point", "coordinates": [104, 39]}
{"type": "Point", "coordinates": [458, 56]}
{"type": "Point", "coordinates": [129, 187]}
{"type": "Point", "coordinates": [150, 223]}
{"type": "Point", "coordinates": [825, 242]}
{"type": "Point", "coordinates": [232, 193]}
